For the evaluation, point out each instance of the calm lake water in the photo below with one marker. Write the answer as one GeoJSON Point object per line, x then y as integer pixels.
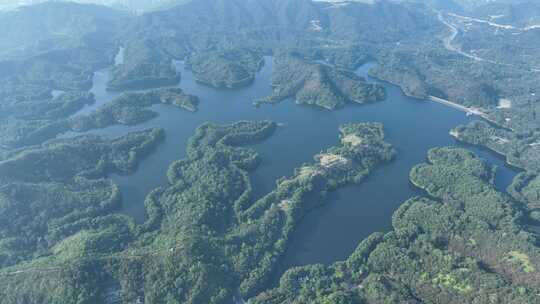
{"type": "Point", "coordinates": [331, 232]}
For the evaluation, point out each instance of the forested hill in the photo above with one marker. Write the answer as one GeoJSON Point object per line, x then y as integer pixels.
{"type": "Point", "coordinates": [228, 16]}
{"type": "Point", "coordinates": [45, 27]}
{"type": "Point", "coordinates": [355, 28]}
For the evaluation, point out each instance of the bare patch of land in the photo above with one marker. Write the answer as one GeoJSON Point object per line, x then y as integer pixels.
{"type": "Point", "coordinates": [352, 139]}
{"type": "Point", "coordinates": [332, 161]}
{"type": "Point", "coordinates": [504, 103]}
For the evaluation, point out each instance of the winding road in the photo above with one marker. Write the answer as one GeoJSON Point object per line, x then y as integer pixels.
{"type": "Point", "coordinates": [448, 41]}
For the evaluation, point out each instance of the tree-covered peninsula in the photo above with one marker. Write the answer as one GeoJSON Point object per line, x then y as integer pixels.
{"type": "Point", "coordinates": [205, 237]}
{"type": "Point", "coordinates": [133, 108]}
{"type": "Point", "coordinates": [463, 242]}
{"type": "Point", "coordinates": [520, 150]}
{"type": "Point", "coordinates": [55, 190]}
{"type": "Point", "coordinates": [144, 67]}
{"type": "Point", "coordinates": [52, 117]}
{"type": "Point", "coordinates": [231, 68]}
{"type": "Point", "coordinates": [319, 84]}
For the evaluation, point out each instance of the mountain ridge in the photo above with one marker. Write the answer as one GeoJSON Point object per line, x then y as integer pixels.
{"type": "Point", "coordinates": [133, 6]}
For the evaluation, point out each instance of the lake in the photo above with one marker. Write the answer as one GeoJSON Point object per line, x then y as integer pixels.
{"type": "Point", "coordinates": [329, 233]}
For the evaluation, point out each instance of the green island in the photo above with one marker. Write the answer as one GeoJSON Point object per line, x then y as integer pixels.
{"type": "Point", "coordinates": [318, 84]}
{"type": "Point", "coordinates": [204, 237]}
{"type": "Point", "coordinates": [226, 69]}
{"type": "Point", "coordinates": [463, 242]}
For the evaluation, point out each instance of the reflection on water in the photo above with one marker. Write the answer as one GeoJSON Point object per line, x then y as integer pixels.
{"type": "Point", "coordinates": [331, 232]}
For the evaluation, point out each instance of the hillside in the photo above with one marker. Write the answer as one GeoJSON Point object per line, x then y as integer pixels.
{"type": "Point", "coordinates": [41, 28]}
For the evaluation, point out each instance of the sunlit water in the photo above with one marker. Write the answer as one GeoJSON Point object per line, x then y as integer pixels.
{"type": "Point", "coordinates": [331, 232]}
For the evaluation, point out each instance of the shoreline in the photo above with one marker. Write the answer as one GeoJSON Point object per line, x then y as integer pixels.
{"type": "Point", "coordinates": [467, 110]}
{"type": "Point", "coordinates": [457, 136]}
{"type": "Point", "coordinates": [446, 102]}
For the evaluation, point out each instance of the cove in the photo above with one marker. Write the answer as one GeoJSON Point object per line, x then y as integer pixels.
{"type": "Point", "coordinates": [329, 233]}
{"type": "Point", "coordinates": [332, 232]}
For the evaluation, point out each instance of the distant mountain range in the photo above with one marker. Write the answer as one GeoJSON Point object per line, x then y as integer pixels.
{"type": "Point", "coordinates": [521, 13]}
{"type": "Point", "coordinates": [141, 6]}
{"type": "Point", "coordinates": [135, 6]}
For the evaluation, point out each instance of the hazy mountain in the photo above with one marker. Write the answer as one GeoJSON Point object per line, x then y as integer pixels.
{"type": "Point", "coordinates": [43, 27]}
{"type": "Point", "coordinates": [136, 6]}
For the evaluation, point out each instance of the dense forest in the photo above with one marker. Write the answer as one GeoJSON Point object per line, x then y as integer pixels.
{"type": "Point", "coordinates": [52, 191]}
{"type": "Point", "coordinates": [132, 108]}
{"type": "Point", "coordinates": [319, 84]}
{"type": "Point", "coordinates": [145, 66]}
{"type": "Point", "coordinates": [463, 242]}
{"type": "Point", "coordinates": [226, 69]}
{"type": "Point", "coordinates": [204, 238]}
{"type": "Point", "coordinates": [207, 237]}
